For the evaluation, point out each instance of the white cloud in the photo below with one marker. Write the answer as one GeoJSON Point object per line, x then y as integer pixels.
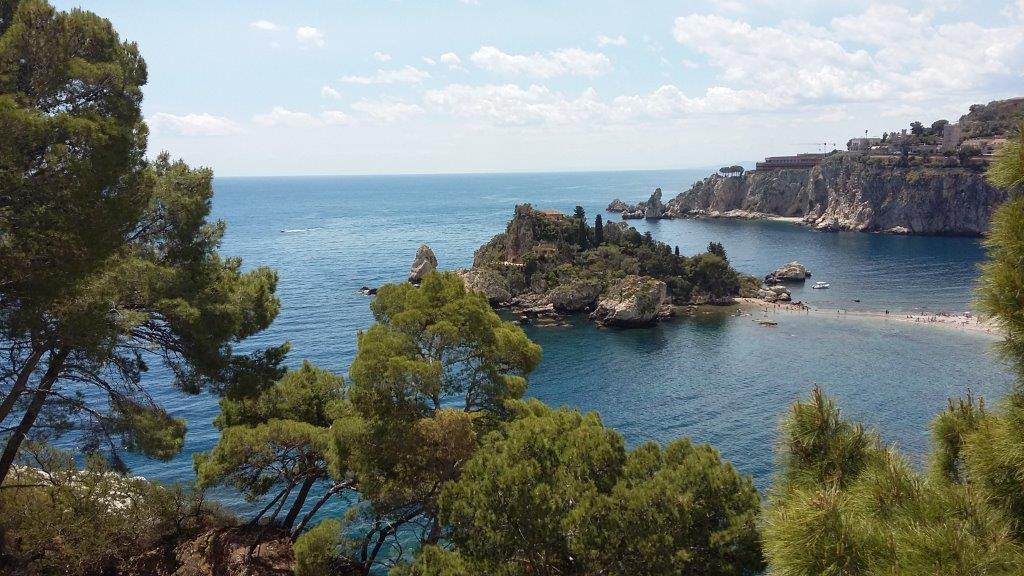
{"type": "Point", "coordinates": [451, 60]}
{"type": "Point", "coordinates": [509, 104]}
{"type": "Point", "coordinates": [566, 62]}
{"type": "Point", "coordinates": [381, 57]}
{"type": "Point", "coordinates": [619, 40]}
{"type": "Point", "coordinates": [310, 37]}
{"type": "Point", "coordinates": [335, 117]}
{"type": "Point", "coordinates": [404, 75]}
{"type": "Point", "coordinates": [281, 116]}
{"type": "Point", "coordinates": [429, 61]}
{"type": "Point", "coordinates": [884, 53]}
{"type": "Point", "coordinates": [512, 105]}
{"type": "Point", "coordinates": [192, 124]}
{"type": "Point", "coordinates": [264, 25]}
{"type": "Point", "coordinates": [387, 110]}
{"type": "Point", "coordinates": [328, 92]}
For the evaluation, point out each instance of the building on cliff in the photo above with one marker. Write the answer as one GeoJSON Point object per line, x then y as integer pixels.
{"type": "Point", "coordinates": [798, 161]}
{"type": "Point", "coordinates": [862, 144]}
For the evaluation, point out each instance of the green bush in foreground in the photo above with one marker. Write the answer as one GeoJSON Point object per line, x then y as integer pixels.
{"type": "Point", "coordinates": [556, 492]}
{"type": "Point", "coordinates": [59, 519]}
{"type": "Point", "coordinates": [316, 551]}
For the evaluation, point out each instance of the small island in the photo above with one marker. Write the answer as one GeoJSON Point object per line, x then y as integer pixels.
{"type": "Point", "coordinates": [548, 264]}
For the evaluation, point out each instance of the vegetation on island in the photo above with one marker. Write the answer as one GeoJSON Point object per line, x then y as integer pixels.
{"type": "Point", "coordinates": [428, 458]}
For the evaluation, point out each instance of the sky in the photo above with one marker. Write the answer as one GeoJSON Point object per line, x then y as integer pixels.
{"type": "Point", "coordinates": [259, 88]}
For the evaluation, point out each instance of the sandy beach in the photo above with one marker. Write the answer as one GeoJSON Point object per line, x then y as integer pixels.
{"type": "Point", "coordinates": [961, 322]}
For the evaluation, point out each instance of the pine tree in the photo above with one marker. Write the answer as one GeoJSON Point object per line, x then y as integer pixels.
{"type": "Point", "coordinates": [717, 249]}
{"type": "Point", "coordinates": [107, 261]}
{"type": "Point", "coordinates": [562, 495]}
{"type": "Point", "coordinates": [598, 230]}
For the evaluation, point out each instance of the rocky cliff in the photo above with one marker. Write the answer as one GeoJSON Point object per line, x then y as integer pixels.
{"type": "Point", "coordinates": [849, 192]}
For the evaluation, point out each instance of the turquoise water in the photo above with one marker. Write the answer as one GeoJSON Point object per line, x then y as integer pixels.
{"type": "Point", "coordinates": [722, 379]}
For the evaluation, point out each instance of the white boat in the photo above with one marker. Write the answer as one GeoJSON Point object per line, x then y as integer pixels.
{"type": "Point", "coordinates": [820, 285]}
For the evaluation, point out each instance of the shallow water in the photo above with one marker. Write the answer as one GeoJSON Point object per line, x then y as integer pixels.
{"type": "Point", "coordinates": [718, 379]}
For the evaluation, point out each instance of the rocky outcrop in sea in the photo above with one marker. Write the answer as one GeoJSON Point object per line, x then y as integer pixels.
{"type": "Point", "coordinates": [632, 301]}
{"type": "Point", "coordinates": [791, 272]}
{"type": "Point", "coordinates": [422, 264]}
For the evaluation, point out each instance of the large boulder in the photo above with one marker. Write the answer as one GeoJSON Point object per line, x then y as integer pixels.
{"type": "Point", "coordinates": [424, 263]}
{"type": "Point", "coordinates": [654, 209]}
{"type": "Point", "coordinates": [574, 296]}
{"type": "Point", "coordinates": [792, 272]}
{"type": "Point", "coordinates": [632, 301]}
{"type": "Point", "coordinates": [617, 206]}
{"type": "Point", "coordinates": [776, 293]}
{"type": "Point", "coordinates": [491, 283]}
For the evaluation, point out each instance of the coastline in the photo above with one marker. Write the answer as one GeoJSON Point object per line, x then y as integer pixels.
{"type": "Point", "coordinates": [959, 322]}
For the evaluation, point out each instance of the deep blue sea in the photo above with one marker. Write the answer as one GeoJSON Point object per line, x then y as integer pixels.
{"type": "Point", "coordinates": [718, 379]}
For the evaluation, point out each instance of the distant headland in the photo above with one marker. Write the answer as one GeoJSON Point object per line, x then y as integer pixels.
{"type": "Point", "coordinates": [928, 179]}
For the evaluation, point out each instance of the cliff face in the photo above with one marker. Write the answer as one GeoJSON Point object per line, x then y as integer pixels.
{"type": "Point", "coordinates": [851, 193]}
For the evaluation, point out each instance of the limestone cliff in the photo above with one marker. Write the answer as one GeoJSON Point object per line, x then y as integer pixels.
{"type": "Point", "coordinates": [848, 192]}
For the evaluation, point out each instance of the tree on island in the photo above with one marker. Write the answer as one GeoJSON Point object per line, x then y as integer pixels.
{"type": "Point", "coordinates": [108, 261]}
{"type": "Point", "coordinates": [582, 234]}
{"type": "Point", "coordinates": [598, 230]}
{"type": "Point", "coordinates": [677, 251]}
{"type": "Point", "coordinates": [717, 249]}
{"type": "Point", "coordinates": [734, 169]}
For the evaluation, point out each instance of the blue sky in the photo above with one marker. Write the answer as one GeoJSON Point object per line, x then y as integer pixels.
{"type": "Point", "coordinates": [360, 87]}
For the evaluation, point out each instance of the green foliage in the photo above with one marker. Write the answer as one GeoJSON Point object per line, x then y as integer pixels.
{"type": "Point", "coordinates": [278, 438]}
{"type": "Point", "coordinates": [316, 551]}
{"type": "Point", "coordinates": [599, 231]}
{"type": "Point", "coordinates": [59, 519]}
{"type": "Point", "coordinates": [555, 491]}
{"type": "Point", "coordinates": [713, 276]}
{"type": "Point", "coordinates": [1002, 276]}
{"type": "Point", "coordinates": [717, 249]}
{"type": "Point", "coordinates": [842, 504]}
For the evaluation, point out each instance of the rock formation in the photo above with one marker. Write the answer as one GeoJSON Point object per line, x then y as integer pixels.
{"type": "Point", "coordinates": [777, 293]}
{"type": "Point", "coordinates": [575, 296]}
{"type": "Point", "coordinates": [654, 209]}
{"type": "Point", "coordinates": [424, 263]}
{"type": "Point", "coordinates": [485, 280]}
{"type": "Point", "coordinates": [632, 301]}
{"type": "Point", "coordinates": [792, 272]}
{"type": "Point", "coordinates": [850, 192]}
{"type": "Point", "coordinates": [617, 206]}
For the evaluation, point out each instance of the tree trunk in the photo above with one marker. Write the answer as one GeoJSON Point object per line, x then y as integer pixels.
{"type": "Point", "coordinates": [300, 500]}
{"type": "Point", "coordinates": [319, 503]}
{"type": "Point", "coordinates": [29, 419]}
{"type": "Point", "coordinates": [20, 383]}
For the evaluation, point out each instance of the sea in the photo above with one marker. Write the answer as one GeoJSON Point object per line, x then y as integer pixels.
{"type": "Point", "coordinates": [716, 378]}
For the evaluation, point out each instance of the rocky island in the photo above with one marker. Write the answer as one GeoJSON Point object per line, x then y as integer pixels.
{"type": "Point", "coordinates": [548, 264]}
{"type": "Point", "coordinates": [928, 181]}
